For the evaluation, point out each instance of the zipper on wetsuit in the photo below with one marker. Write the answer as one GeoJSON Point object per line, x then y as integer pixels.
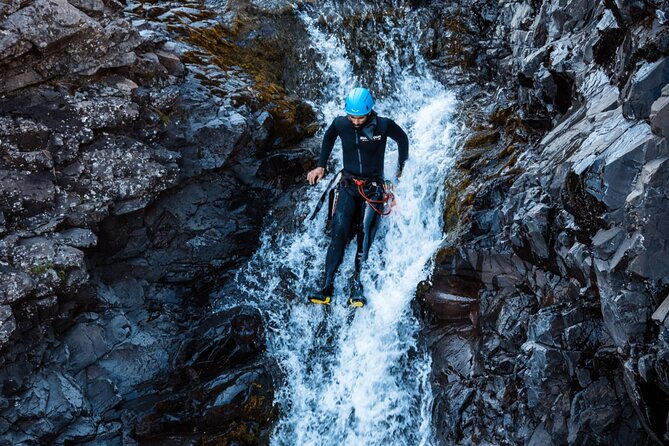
{"type": "Point", "coordinates": [357, 146]}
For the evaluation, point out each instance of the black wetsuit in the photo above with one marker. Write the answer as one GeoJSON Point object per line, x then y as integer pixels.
{"type": "Point", "coordinates": [363, 152]}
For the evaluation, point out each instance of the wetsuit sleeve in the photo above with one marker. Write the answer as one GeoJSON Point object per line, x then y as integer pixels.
{"type": "Point", "coordinates": [328, 143]}
{"type": "Point", "coordinates": [396, 133]}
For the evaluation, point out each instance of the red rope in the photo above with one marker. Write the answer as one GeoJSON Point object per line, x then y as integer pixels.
{"type": "Point", "coordinates": [388, 197]}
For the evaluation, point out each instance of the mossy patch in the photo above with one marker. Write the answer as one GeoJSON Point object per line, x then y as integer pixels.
{"type": "Point", "coordinates": [481, 139]}
{"type": "Point", "coordinates": [456, 48]}
{"type": "Point", "coordinates": [41, 268]}
{"type": "Point", "coordinates": [456, 201]}
{"type": "Point", "coordinates": [262, 60]}
{"type": "Point", "coordinates": [239, 433]}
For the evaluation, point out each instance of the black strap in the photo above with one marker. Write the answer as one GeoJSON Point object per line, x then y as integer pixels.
{"type": "Point", "coordinates": [321, 200]}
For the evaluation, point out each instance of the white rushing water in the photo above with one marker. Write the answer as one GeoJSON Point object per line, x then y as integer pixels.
{"type": "Point", "coordinates": [358, 377]}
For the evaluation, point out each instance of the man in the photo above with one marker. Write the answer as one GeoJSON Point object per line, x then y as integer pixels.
{"type": "Point", "coordinates": [361, 190]}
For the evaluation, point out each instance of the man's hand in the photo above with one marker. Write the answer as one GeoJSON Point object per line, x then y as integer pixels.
{"type": "Point", "coordinates": [315, 175]}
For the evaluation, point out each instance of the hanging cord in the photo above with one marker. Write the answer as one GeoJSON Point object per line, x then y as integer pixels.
{"type": "Point", "coordinates": [321, 200]}
{"type": "Point", "coordinates": [388, 197]}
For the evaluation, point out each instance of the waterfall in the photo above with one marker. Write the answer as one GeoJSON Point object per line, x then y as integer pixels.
{"type": "Point", "coordinates": [360, 376]}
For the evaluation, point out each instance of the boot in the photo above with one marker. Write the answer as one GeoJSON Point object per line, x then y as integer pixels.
{"type": "Point", "coordinates": [357, 298]}
{"type": "Point", "coordinates": [324, 296]}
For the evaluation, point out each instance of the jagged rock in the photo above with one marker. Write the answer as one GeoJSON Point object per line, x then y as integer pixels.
{"type": "Point", "coordinates": [530, 232]}
{"type": "Point", "coordinates": [133, 362]}
{"type": "Point", "coordinates": [102, 395]}
{"type": "Point", "coordinates": [171, 61]}
{"type": "Point", "coordinates": [25, 194]}
{"type": "Point", "coordinates": [606, 242]}
{"type": "Point", "coordinates": [513, 317]}
{"type": "Point", "coordinates": [90, 46]}
{"type": "Point", "coordinates": [77, 237]}
{"type": "Point", "coordinates": [248, 395]}
{"type": "Point", "coordinates": [122, 172]}
{"type": "Point", "coordinates": [661, 312]}
{"type": "Point", "coordinates": [228, 134]}
{"type": "Point", "coordinates": [90, 6]}
{"type": "Point", "coordinates": [594, 415]}
{"type": "Point", "coordinates": [455, 356]}
{"type": "Point", "coordinates": [582, 296]}
{"type": "Point", "coordinates": [59, 267]}
{"type": "Point", "coordinates": [65, 21]}
{"type": "Point", "coordinates": [626, 314]}
{"type": "Point", "coordinates": [109, 112]}
{"type": "Point", "coordinates": [7, 324]}
{"type": "Point", "coordinates": [220, 387]}
{"type": "Point", "coordinates": [546, 377]}
{"type": "Point", "coordinates": [644, 87]}
{"type": "Point", "coordinates": [53, 396]}
{"type": "Point", "coordinates": [86, 344]}
{"type": "Point", "coordinates": [449, 307]}
{"type": "Point", "coordinates": [80, 430]}
{"type": "Point", "coordinates": [106, 137]}
{"type": "Point", "coordinates": [17, 285]}
{"type": "Point", "coordinates": [659, 114]}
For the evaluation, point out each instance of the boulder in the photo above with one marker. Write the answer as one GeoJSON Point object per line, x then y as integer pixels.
{"type": "Point", "coordinates": [17, 285]}
{"type": "Point", "coordinates": [626, 315]}
{"type": "Point", "coordinates": [7, 324]}
{"type": "Point", "coordinates": [65, 40]}
{"type": "Point", "coordinates": [659, 114]}
{"type": "Point", "coordinates": [86, 343]}
{"type": "Point", "coordinates": [63, 21]}
{"type": "Point", "coordinates": [595, 414]}
{"type": "Point", "coordinates": [644, 87]}
{"type": "Point", "coordinates": [530, 234]}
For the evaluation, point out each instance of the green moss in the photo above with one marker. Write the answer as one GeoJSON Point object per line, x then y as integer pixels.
{"type": "Point", "coordinates": [263, 62]}
{"type": "Point", "coordinates": [455, 202]}
{"type": "Point", "coordinates": [41, 268]}
{"type": "Point", "coordinates": [163, 116]}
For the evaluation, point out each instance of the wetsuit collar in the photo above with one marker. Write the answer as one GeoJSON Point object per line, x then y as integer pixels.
{"type": "Point", "coordinates": [370, 126]}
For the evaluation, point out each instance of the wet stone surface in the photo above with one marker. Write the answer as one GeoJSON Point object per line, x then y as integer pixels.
{"type": "Point", "coordinates": [135, 174]}
{"type": "Point", "coordinates": [559, 219]}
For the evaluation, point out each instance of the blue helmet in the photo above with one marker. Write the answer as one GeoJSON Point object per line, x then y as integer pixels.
{"type": "Point", "coordinates": [359, 102]}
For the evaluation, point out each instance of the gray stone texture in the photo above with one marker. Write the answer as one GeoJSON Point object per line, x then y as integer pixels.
{"type": "Point", "coordinates": [572, 308]}
{"type": "Point", "coordinates": [128, 159]}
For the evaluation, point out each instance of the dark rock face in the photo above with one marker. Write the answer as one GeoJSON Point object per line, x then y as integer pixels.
{"type": "Point", "coordinates": [136, 167]}
{"type": "Point", "coordinates": [222, 390]}
{"type": "Point", "coordinates": [559, 220]}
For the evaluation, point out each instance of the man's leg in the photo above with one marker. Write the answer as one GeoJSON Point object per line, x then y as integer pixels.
{"type": "Point", "coordinates": [368, 223]}
{"type": "Point", "coordinates": [366, 231]}
{"type": "Point", "coordinates": [341, 229]}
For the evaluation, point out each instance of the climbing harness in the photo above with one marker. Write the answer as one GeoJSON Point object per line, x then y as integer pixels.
{"type": "Point", "coordinates": [388, 200]}
{"type": "Point", "coordinates": [386, 203]}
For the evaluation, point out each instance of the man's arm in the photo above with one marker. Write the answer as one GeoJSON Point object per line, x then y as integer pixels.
{"type": "Point", "coordinates": [327, 145]}
{"type": "Point", "coordinates": [396, 133]}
